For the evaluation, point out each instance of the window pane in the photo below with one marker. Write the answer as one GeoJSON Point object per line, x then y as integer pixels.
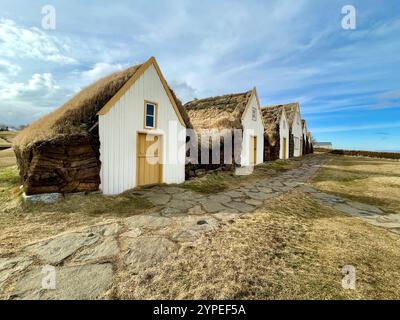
{"type": "Point", "coordinates": [150, 109]}
{"type": "Point", "coordinates": [254, 114]}
{"type": "Point", "coordinates": [150, 121]}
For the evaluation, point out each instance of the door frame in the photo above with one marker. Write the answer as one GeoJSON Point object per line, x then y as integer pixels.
{"type": "Point", "coordinates": [253, 155]}
{"type": "Point", "coordinates": [160, 155]}
{"type": "Point", "coordinates": [284, 149]}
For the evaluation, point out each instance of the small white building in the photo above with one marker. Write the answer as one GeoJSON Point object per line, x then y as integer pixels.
{"type": "Point", "coordinates": [276, 143]}
{"type": "Point", "coordinates": [305, 136]}
{"type": "Point", "coordinates": [295, 129]}
{"type": "Point", "coordinates": [232, 112]}
{"type": "Point", "coordinates": [142, 132]}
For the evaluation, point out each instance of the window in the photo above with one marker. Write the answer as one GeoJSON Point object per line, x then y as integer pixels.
{"type": "Point", "coordinates": [254, 114]}
{"type": "Point", "coordinates": [150, 115]}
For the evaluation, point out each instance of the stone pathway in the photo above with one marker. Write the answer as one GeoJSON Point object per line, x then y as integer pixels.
{"type": "Point", "coordinates": [87, 262]}
{"type": "Point", "coordinates": [368, 213]}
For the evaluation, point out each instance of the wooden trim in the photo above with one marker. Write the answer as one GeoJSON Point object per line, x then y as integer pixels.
{"type": "Point", "coordinates": [146, 102]}
{"type": "Point", "coordinates": [132, 80]}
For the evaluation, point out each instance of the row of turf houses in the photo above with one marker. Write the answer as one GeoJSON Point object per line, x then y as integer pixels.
{"type": "Point", "coordinates": [129, 130]}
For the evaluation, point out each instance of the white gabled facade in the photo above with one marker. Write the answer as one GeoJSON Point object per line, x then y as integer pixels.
{"type": "Point", "coordinates": [297, 132]}
{"type": "Point", "coordinates": [283, 134]}
{"type": "Point", "coordinates": [120, 126]}
{"type": "Point", "coordinates": [252, 124]}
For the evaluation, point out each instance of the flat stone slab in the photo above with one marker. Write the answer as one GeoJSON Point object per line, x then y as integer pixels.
{"type": "Point", "coordinates": [365, 207]}
{"type": "Point", "coordinates": [221, 198]}
{"type": "Point", "coordinates": [241, 206]}
{"type": "Point", "coordinates": [234, 194]}
{"type": "Point", "coordinates": [254, 202]}
{"type": "Point", "coordinates": [146, 251]}
{"type": "Point", "coordinates": [86, 282]}
{"type": "Point", "coordinates": [9, 267]}
{"type": "Point", "coordinates": [180, 205]}
{"type": "Point", "coordinates": [57, 249]}
{"type": "Point", "coordinates": [133, 233]}
{"type": "Point", "coordinates": [158, 199]}
{"type": "Point", "coordinates": [196, 210]}
{"type": "Point", "coordinates": [212, 206]}
{"type": "Point", "coordinates": [190, 228]}
{"type": "Point", "coordinates": [42, 198]}
{"type": "Point", "coordinates": [256, 195]}
{"type": "Point", "coordinates": [173, 190]}
{"type": "Point", "coordinates": [106, 229]}
{"type": "Point", "coordinates": [350, 210]}
{"type": "Point", "coordinates": [265, 189]}
{"type": "Point", "coordinates": [148, 221]}
{"type": "Point", "coordinates": [187, 196]}
{"type": "Point", "coordinates": [108, 248]}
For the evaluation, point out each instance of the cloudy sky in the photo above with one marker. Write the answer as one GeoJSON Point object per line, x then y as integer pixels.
{"type": "Point", "coordinates": [347, 81]}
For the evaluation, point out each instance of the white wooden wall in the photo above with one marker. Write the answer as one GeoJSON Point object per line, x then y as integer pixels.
{"type": "Point", "coordinates": [297, 131]}
{"type": "Point", "coordinates": [284, 133]}
{"type": "Point", "coordinates": [118, 130]}
{"type": "Point", "coordinates": [252, 128]}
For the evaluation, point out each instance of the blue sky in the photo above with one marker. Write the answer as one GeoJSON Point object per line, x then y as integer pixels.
{"type": "Point", "coordinates": [347, 81]}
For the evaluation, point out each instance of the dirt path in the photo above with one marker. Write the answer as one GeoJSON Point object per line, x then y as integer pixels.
{"type": "Point", "coordinates": [88, 262]}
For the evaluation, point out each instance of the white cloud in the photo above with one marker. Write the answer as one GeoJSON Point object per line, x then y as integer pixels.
{"type": "Point", "coordinates": [40, 85]}
{"type": "Point", "coordinates": [100, 70]}
{"type": "Point", "coordinates": [8, 68]}
{"type": "Point", "coordinates": [20, 42]}
{"type": "Point", "coordinates": [183, 90]}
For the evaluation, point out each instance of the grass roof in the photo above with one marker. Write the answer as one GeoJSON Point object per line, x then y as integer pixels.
{"type": "Point", "coordinates": [221, 112]}
{"type": "Point", "coordinates": [290, 110]}
{"type": "Point", "coordinates": [79, 114]}
{"type": "Point", "coordinates": [272, 117]}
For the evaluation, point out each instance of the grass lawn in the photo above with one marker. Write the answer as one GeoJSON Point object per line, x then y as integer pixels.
{"type": "Point", "coordinates": [6, 138]}
{"type": "Point", "coordinates": [7, 158]}
{"type": "Point", "coordinates": [292, 248]}
{"type": "Point", "coordinates": [8, 135]}
{"type": "Point", "coordinates": [221, 181]}
{"type": "Point", "coordinates": [372, 181]}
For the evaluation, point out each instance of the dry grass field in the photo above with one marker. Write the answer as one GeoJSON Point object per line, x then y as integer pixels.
{"type": "Point", "coordinates": [372, 181]}
{"type": "Point", "coordinates": [7, 158]}
{"type": "Point", "coordinates": [292, 248]}
{"type": "Point", "coordinates": [6, 138]}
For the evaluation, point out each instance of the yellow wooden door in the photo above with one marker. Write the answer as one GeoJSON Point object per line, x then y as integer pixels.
{"type": "Point", "coordinates": [284, 149]}
{"type": "Point", "coordinates": [253, 150]}
{"type": "Point", "coordinates": [149, 167]}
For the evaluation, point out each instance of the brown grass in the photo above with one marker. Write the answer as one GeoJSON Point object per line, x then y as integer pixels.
{"type": "Point", "coordinates": [7, 158]}
{"type": "Point", "coordinates": [373, 181]}
{"type": "Point", "coordinates": [293, 248]}
{"type": "Point", "coordinates": [222, 112]}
